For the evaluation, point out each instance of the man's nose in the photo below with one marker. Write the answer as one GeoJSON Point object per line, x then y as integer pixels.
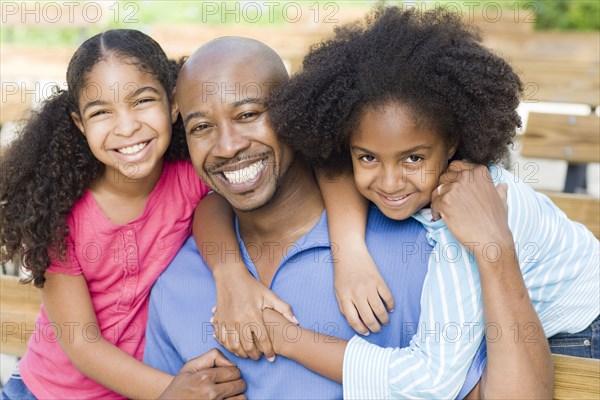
{"type": "Point", "coordinates": [230, 142]}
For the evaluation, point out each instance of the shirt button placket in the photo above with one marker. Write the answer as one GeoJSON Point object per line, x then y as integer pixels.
{"type": "Point", "coordinates": [131, 269]}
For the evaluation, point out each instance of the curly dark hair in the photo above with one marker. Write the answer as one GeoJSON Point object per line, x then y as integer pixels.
{"type": "Point", "coordinates": [432, 62]}
{"type": "Point", "coordinates": [48, 167]}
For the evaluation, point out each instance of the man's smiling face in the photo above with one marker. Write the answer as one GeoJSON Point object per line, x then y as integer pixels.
{"type": "Point", "coordinates": [231, 142]}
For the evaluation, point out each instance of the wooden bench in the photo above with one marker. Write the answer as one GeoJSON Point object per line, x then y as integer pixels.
{"type": "Point", "coordinates": [576, 378]}
{"type": "Point", "coordinates": [19, 307]}
{"type": "Point", "coordinates": [575, 139]}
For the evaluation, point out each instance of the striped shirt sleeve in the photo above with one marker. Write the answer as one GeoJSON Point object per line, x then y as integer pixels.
{"type": "Point", "coordinates": [450, 329]}
{"type": "Point", "coordinates": [558, 258]}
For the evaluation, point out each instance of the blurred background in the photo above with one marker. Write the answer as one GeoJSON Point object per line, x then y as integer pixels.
{"type": "Point", "coordinates": [554, 45]}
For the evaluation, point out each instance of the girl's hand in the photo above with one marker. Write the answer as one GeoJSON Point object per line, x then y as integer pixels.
{"type": "Point", "coordinates": [362, 294]}
{"type": "Point", "coordinates": [238, 318]}
{"type": "Point", "coordinates": [472, 207]}
{"type": "Point", "coordinates": [209, 376]}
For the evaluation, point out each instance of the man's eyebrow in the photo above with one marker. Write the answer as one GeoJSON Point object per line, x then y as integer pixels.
{"type": "Point", "coordinates": [202, 114]}
{"type": "Point", "coordinates": [192, 115]}
{"type": "Point", "coordinates": [249, 100]}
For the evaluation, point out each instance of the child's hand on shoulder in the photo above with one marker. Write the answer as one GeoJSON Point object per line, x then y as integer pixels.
{"type": "Point", "coordinates": [238, 316]}
{"type": "Point", "coordinates": [362, 294]}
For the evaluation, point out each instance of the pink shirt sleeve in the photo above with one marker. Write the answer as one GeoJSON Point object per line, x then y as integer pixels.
{"type": "Point", "coordinates": [192, 184]}
{"type": "Point", "coordinates": [67, 263]}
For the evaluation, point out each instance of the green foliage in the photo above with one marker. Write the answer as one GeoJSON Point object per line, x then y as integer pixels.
{"type": "Point", "coordinates": [568, 15]}
{"type": "Point", "coordinates": [571, 15]}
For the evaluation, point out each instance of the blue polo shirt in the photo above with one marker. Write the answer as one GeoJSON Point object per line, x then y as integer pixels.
{"type": "Point", "coordinates": [181, 301]}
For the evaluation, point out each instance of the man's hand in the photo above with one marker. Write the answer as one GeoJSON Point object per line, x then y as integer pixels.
{"type": "Point", "coordinates": [473, 209]}
{"type": "Point", "coordinates": [209, 376]}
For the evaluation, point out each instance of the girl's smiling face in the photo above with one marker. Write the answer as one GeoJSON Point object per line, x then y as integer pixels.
{"type": "Point", "coordinates": [126, 117]}
{"type": "Point", "coordinates": [397, 162]}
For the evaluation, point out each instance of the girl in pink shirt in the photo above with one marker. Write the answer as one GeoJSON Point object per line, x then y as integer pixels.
{"type": "Point", "coordinates": [95, 205]}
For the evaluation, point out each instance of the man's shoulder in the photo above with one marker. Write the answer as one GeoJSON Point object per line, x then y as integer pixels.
{"type": "Point", "coordinates": [379, 224]}
{"type": "Point", "coordinates": [187, 266]}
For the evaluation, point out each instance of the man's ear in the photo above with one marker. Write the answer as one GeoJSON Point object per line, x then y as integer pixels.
{"type": "Point", "coordinates": [174, 108]}
{"type": "Point", "coordinates": [77, 121]}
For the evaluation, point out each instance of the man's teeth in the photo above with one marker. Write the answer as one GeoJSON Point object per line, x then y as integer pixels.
{"type": "Point", "coordinates": [395, 198]}
{"type": "Point", "coordinates": [244, 175]}
{"type": "Point", "coordinates": [132, 149]}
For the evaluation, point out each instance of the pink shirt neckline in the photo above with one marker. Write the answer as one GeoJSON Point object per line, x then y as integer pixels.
{"type": "Point", "coordinates": [90, 201]}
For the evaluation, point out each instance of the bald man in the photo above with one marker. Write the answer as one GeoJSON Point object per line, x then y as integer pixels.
{"type": "Point", "coordinates": [280, 222]}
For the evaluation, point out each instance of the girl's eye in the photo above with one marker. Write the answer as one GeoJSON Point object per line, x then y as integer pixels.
{"type": "Point", "coordinates": [98, 113]}
{"type": "Point", "coordinates": [142, 101]}
{"type": "Point", "coordinates": [367, 159]}
{"type": "Point", "coordinates": [413, 159]}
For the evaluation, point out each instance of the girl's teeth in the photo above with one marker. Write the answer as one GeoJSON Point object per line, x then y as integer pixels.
{"type": "Point", "coordinates": [132, 149]}
{"type": "Point", "coordinates": [244, 175]}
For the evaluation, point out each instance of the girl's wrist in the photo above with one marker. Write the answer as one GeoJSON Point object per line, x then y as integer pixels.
{"type": "Point", "coordinates": [229, 271]}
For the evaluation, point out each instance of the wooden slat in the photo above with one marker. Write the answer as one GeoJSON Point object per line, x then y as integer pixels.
{"type": "Point", "coordinates": [19, 307]}
{"type": "Point", "coordinates": [580, 208]}
{"type": "Point", "coordinates": [567, 47]}
{"type": "Point", "coordinates": [576, 378]}
{"type": "Point", "coordinates": [572, 138]}
{"type": "Point", "coordinates": [554, 66]}
{"type": "Point", "coordinates": [560, 82]}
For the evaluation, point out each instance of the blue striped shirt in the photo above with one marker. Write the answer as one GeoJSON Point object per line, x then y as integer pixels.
{"type": "Point", "coordinates": [559, 261]}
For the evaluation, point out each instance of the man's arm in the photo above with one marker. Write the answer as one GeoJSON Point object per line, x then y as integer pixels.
{"type": "Point", "coordinates": [520, 353]}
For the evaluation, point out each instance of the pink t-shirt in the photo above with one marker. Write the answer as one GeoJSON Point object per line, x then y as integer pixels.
{"type": "Point", "coordinates": [120, 264]}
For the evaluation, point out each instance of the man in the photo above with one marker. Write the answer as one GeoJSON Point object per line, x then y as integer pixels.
{"type": "Point", "coordinates": [221, 93]}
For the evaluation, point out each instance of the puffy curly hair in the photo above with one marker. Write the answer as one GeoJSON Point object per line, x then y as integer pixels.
{"type": "Point", "coordinates": [431, 62]}
{"type": "Point", "coordinates": [47, 168]}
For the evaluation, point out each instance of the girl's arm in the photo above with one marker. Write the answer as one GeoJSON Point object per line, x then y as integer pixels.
{"type": "Point", "coordinates": [67, 302]}
{"type": "Point", "coordinates": [361, 292]}
{"type": "Point", "coordinates": [240, 297]}
{"type": "Point", "coordinates": [320, 353]}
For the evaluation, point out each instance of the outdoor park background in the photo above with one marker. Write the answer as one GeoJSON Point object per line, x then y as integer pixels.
{"type": "Point", "coordinates": [554, 45]}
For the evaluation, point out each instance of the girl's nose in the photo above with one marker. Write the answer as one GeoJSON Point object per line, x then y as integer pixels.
{"type": "Point", "coordinates": [391, 180]}
{"type": "Point", "coordinates": [127, 125]}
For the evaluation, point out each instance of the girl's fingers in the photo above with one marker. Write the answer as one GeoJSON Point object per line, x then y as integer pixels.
{"type": "Point", "coordinates": [351, 314]}
{"type": "Point", "coordinates": [386, 296]}
{"type": "Point", "coordinates": [281, 307]}
{"type": "Point", "coordinates": [379, 309]}
{"type": "Point", "coordinates": [367, 316]}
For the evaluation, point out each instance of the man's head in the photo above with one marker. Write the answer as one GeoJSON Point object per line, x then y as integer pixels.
{"type": "Point", "coordinates": [221, 94]}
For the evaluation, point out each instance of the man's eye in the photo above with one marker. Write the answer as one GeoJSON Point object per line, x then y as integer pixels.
{"type": "Point", "coordinates": [199, 127]}
{"type": "Point", "coordinates": [247, 115]}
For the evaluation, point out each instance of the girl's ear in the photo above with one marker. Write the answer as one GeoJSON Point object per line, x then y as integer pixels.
{"type": "Point", "coordinates": [174, 108]}
{"type": "Point", "coordinates": [77, 121]}
{"type": "Point", "coordinates": [452, 149]}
